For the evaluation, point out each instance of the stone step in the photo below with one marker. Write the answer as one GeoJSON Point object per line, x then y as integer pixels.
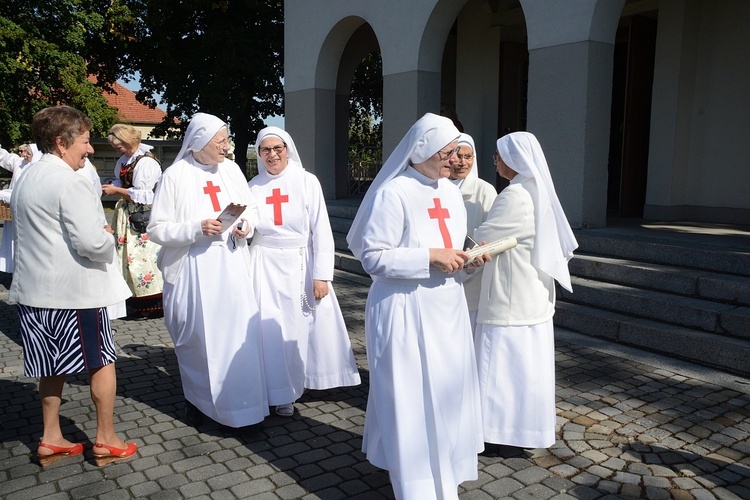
{"type": "Point", "coordinates": [339, 224]}
{"type": "Point", "coordinates": [715, 350]}
{"type": "Point", "coordinates": [685, 253]}
{"type": "Point", "coordinates": [347, 262]}
{"type": "Point", "coordinates": [343, 209]}
{"type": "Point", "coordinates": [340, 243]}
{"type": "Point", "coordinates": [690, 282]}
{"type": "Point", "coordinates": [677, 310]}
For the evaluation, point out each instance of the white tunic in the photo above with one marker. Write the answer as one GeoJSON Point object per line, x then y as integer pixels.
{"type": "Point", "coordinates": [13, 163]}
{"type": "Point", "coordinates": [478, 196]}
{"type": "Point", "coordinates": [209, 306]}
{"type": "Point", "coordinates": [292, 245]}
{"type": "Point", "coordinates": [515, 336]}
{"type": "Point", "coordinates": [423, 420]}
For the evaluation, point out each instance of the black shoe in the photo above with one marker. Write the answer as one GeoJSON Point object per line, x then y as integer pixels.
{"type": "Point", "coordinates": [503, 451]}
{"type": "Point", "coordinates": [193, 416]}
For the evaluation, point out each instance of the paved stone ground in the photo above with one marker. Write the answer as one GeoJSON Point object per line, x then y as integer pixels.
{"type": "Point", "coordinates": [631, 424]}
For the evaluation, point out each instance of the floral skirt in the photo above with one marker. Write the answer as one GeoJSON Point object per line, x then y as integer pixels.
{"type": "Point", "coordinates": [137, 255]}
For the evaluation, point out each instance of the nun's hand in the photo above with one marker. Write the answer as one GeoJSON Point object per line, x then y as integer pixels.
{"type": "Point", "coordinates": [320, 289]}
{"type": "Point", "coordinates": [210, 227]}
{"type": "Point", "coordinates": [448, 260]}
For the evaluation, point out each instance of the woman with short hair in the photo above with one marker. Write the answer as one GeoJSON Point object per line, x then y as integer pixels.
{"type": "Point", "coordinates": [63, 282]}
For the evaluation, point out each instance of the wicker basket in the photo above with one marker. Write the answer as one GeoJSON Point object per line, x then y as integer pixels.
{"type": "Point", "coordinates": [5, 211]}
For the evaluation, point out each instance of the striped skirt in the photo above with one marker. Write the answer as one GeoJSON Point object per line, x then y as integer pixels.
{"type": "Point", "coordinates": [65, 341]}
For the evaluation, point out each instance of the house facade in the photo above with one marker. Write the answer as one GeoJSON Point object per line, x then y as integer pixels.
{"type": "Point", "coordinates": [143, 119]}
{"type": "Point", "coordinates": [642, 106]}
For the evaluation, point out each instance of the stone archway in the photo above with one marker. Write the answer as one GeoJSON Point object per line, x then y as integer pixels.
{"type": "Point", "coordinates": [362, 42]}
{"type": "Point", "coordinates": [313, 100]}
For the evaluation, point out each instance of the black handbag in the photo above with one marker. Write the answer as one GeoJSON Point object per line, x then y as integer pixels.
{"type": "Point", "coordinates": [139, 219]}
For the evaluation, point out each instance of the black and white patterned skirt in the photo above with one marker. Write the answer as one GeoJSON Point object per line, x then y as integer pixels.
{"type": "Point", "coordinates": [65, 341]}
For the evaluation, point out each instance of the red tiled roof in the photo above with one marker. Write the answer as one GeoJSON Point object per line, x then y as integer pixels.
{"type": "Point", "coordinates": [130, 110]}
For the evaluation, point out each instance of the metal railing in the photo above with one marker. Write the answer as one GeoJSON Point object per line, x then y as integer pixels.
{"type": "Point", "coordinates": [363, 169]}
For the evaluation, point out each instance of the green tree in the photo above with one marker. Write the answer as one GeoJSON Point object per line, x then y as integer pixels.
{"type": "Point", "coordinates": [366, 110]}
{"type": "Point", "coordinates": [48, 49]}
{"type": "Point", "coordinates": [218, 57]}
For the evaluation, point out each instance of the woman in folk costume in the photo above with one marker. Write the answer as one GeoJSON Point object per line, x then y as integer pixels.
{"type": "Point", "coordinates": [422, 423]}
{"type": "Point", "coordinates": [478, 196]}
{"type": "Point", "coordinates": [137, 172]}
{"type": "Point", "coordinates": [18, 164]}
{"type": "Point", "coordinates": [515, 336]}
{"type": "Point", "coordinates": [305, 341]}
{"type": "Point", "coordinates": [209, 306]}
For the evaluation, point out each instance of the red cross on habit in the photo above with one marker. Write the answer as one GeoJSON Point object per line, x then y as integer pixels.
{"type": "Point", "coordinates": [441, 214]}
{"type": "Point", "coordinates": [211, 191]}
{"type": "Point", "coordinates": [276, 200]}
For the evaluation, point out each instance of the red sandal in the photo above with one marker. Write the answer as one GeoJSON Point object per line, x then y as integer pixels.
{"type": "Point", "coordinates": [114, 453]}
{"type": "Point", "coordinates": [58, 452]}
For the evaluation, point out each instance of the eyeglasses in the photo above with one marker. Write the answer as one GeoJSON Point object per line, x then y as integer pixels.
{"type": "Point", "coordinates": [467, 156]}
{"type": "Point", "coordinates": [495, 157]}
{"type": "Point", "coordinates": [222, 142]}
{"type": "Point", "coordinates": [267, 151]}
{"type": "Point", "coordinates": [444, 155]}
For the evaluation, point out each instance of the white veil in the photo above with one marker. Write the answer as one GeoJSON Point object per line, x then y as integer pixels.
{"type": "Point", "coordinates": [555, 242]}
{"type": "Point", "coordinates": [425, 138]}
{"type": "Point", "coordinates": [202, 129]}
{"type": "Point", "coordinates": [291, 149]}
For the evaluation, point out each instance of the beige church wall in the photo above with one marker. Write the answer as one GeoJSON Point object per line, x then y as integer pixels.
{"type": "Point", "coordinates": [698, 161]}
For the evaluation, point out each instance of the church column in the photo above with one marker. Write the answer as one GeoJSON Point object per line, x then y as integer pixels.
{"type": "Point", "coordinates": [569, 99]}
{"type": "Point", "coordinates": [309, 119]}
{"type": "Point", "coordinates": [406, 97]}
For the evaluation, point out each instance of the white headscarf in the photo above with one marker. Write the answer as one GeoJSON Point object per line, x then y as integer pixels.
{"type": "Point", "coordinates": [426, 137]}
{"type": "Point", "coordinates": [203, 127]}
{"type": "Point", "coordinates": [292, 155]}
{"type": "Point", "coordinates": [467, 140]}
{"type": "Point", "coordinates": [36, 154]}
{"type": "Point", "coordinates": [555, 242]}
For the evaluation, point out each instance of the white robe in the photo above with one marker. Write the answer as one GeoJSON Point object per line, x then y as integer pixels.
{"type": "Point", "coordinates": [13, 163]}
{"type": "Point", "coordinates": [515, 336]}
{"type": "Point", "coordinates": [209, 306]}
{"type": "Point", "coordinates": [302, 347]}
{"type": "Point", "coordinates": [423, 421]}
{"type": "Point", "coordinates": [478, 196]}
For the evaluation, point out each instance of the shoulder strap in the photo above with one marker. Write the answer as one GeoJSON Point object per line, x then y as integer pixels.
{"type": "Point", "coordinates": [148, 155]}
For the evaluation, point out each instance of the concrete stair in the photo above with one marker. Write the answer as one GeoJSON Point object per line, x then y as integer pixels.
{"type": "Point", "coordinates": [341, 213]}
{"type": "Point", "coordinates": [672, 291]}
{"type": "Point", "coordinates": [681, 295]}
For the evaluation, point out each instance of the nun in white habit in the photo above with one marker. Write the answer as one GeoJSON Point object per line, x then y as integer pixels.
{"type": "Point", "coordinates": [422, 423]}
{"type": "Point", "coordinates": [209, 307]}
{"type": "Point", "coordinates": [18, 164]}
{"type": "Point", "coordinates": [478, 196]}
{"type": "Point", "coordinates": [305, 341]}
{"type": "Point", "coordinates": [515, 336]}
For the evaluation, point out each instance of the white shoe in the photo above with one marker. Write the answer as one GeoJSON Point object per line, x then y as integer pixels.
{"type": "Point", "coordinates": [286, 410]}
